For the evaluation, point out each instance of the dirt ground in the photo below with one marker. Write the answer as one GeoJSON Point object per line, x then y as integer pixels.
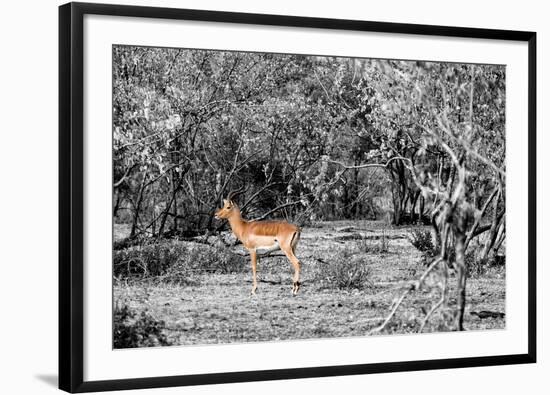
{"type": "Point", "coordinates": [220, 309]}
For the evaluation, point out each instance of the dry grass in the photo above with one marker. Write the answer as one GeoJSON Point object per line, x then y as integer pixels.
{"type": "Point", "coordinates": [219, 309]}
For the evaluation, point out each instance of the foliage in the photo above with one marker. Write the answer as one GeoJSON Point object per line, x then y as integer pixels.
{"type": "Point", "coordinates": [192, 124]}
{"type": "Point", "coordinates": [137, 330]}
{"type": "Point", "coordinates": [458, 112]}
{"type": "Point", "coordinates": [422, 240]}
{"type": "Point", "coordinates": [312, 138]}
{"type": "Point", "coordinates": [344, 270]}
{"type": "Point", "coordinates": [223, 261]}
{"type": "Point", "coordinates": [478, 265]}
{"type": "Point", "coordinates": [381, 246]}
{"type": "Point", "coordinates": [175, 261]}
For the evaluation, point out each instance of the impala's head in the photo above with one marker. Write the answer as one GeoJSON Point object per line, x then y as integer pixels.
{"type": "Point", "coordinates": [229, 206]}
{"type": "Point", "coordinates": [226, 210]}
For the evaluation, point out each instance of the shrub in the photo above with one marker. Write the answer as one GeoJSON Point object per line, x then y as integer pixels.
{"type": "Point", "coordinates": [499, 260]}
{"type": "Point", "coordinates": [147, 260]}
{"type": "Point", "coordinates": [475, 264]}
{"type": "Point", "coordinates": [478, 266]}
{"type": "Point", "coordinates": [127, 242]}
{"type": "Point", "coordinates": [137, 330]}
{"type": "Point", "coordinates": [224, 261]}
{"type": "Point", "coordinates": [367, 246]}
{"type": "Point", "coordinates": [422, 241]}
{"type": "Point", "coordinates": [175, 261]}
{"type": "Point", "coordinates": [345, 270]}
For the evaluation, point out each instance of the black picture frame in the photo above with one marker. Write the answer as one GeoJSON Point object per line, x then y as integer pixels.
{"type": "Point", "coordinates": [71, 173]}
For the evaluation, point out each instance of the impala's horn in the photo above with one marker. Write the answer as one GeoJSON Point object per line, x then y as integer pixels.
{"type": "Point", "coordinates": [233, 194]}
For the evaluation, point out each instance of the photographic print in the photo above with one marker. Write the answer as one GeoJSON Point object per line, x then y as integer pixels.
{"type": "Point", "coordinates": [272, 197]}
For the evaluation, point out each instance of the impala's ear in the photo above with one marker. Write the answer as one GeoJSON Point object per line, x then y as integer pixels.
{"type": "Point", "coordinates": [231, 203]}
{"type": "Point", "coordinates": [225, 202]}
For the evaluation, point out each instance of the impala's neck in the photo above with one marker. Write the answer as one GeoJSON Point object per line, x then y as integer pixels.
{"type": "Point", "coordinates": [236, 222]}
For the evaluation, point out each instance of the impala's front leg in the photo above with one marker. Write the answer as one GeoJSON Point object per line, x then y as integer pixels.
{"type": "Point", "coordinates": [253, 260]}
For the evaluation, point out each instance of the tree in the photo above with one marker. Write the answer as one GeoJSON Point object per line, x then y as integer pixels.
{"type": "Point", "coordinates": [453, 118]}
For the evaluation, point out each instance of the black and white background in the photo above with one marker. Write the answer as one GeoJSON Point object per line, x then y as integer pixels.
{"type": "Point", "coordinates": [395, 171]}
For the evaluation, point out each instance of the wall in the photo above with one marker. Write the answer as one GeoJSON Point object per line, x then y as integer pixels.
{"type": "Point", "coordinates": [28, 160]}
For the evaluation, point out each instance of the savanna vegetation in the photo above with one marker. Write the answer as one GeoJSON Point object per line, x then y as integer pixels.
{"type": "Point", "coordinates": [395, 170]}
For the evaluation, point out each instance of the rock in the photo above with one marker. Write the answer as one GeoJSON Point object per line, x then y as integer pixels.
{"type": "Point", "coordinates": [487, 314]}
{"type": "Point", "coordinates": [346, 229]}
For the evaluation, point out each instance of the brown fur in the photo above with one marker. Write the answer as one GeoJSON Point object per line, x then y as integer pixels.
{"type": "Point", "coordinates": [270, 228]}
{"type": "Point", "coordinates": [263, 234]}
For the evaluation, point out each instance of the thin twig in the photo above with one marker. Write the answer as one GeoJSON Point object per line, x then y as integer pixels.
{"type": "Point", "coordinates": [322, 86]}
{"type": "Point", "coordinates": [413, 286]}
{"type": "Point", "coordinates": [432, 310]}
{"type": "Point", "coordinates": [437, 305]}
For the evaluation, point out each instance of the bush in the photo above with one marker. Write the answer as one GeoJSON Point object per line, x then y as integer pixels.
{"type": "Point", "coordinates": [126, 243]}
{"type": "Point", "coordinates": [175, 261]}
{"type": "Point", "coordinates": [345, 270]}
{"type": "Point", "coordinates": [478, 266]}
{"type": "Point", "coordinates": [137, 330]}
{"type": "Point", "coordinates": [224, 261]}
{"type": "Point", "coordinates": [147, 260]}
{"type": "Point", "coordinates": [422, 241]}
{"type": "Point", "coordinates": [367, 246]}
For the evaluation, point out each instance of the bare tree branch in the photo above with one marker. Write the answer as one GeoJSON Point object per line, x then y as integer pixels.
{"type": "Point", "coordinates": [123, 178]}
{"type": "Point", "coordinates": [413, 286]}
{"type": "Point", "coordinates": [264, 216]}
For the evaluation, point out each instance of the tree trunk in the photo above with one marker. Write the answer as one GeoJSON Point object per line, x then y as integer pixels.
{"type": "Point", "coordinates": [499, 239]}
{"type": "Point", "coordinates": [117, 204]}
{"type": "Point", "coordinates": [137, 207]}
{"type": "Point", "coordinates": [175, 201]}
{"type": "Point", "coordinates": [154, 221]}
{"type": "Point", "coordinates": [462, 274]}
{"type": "Point", "coordinates": [399, 192]}
{"type": "Point", "coordinates": [356, 192]}
{"type": "Point", "coordinates": [396, 209]}
{"type": "Point", "coordinates": [164, 217]}
{"type": "Point", "coordinates": [491, 239]}
{"type": "Point", "coordinates": [396, 199]}
{"type": "Point", "coordinates": [414, 201]}
{"type": "Point", "coordinates": [404, 202]}
{"type": "Point", "coordinates": [168, 206]}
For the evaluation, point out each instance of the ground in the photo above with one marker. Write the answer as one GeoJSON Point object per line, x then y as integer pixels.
{"type": "Point", "coordinates": [218, 308]}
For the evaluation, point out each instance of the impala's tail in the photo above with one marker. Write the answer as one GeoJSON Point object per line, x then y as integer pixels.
{"type": "Point", "coordinates": [295, 239]}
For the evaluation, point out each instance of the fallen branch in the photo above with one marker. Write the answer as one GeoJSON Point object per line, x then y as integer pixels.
{"type": "Point", "coordinates": [438, 304]}
{"type": "Point", "coordinates": [413, 286]}
{"type": "Point", "coordinates": [432, 310]}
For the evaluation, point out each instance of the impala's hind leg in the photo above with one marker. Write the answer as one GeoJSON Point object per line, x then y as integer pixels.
{"type": "Point", "coordinates": [296, 264]}
{"type": "Point", "coordinates": [293, 244]}
{"type": "Point", "coordinates": [294, 241]}
{"type": "Point", "coordinates": [253, 261]}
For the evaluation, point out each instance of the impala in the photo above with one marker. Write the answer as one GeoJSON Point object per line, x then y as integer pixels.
{"type": "Point", "coordinates": [271, 235]}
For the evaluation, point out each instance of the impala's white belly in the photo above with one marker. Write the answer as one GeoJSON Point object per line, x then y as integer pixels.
{"type": "Point", "coordinates": [262, 243]}
{"type": "Point", "coordinates": [267, 250]}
